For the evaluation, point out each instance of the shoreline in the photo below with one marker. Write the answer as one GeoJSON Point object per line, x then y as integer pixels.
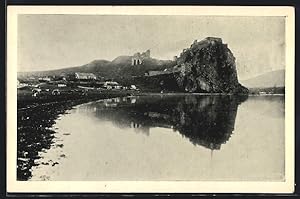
{"type": "Point", "coordinates": [34, 126]}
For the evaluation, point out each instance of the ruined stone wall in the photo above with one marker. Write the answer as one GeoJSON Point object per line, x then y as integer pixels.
{"type": "Point", "coordinates": [138, 57]}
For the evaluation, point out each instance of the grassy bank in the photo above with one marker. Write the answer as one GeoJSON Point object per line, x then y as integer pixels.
{"type": "Point", "coordinates": [36, 116]}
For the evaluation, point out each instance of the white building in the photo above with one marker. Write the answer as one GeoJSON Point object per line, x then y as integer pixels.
{"type": "Point", "coordinates": [85, 76]}
{"type": "Point", "coordinates": [112, 85]}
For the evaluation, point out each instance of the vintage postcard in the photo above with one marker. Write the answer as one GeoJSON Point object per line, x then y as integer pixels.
{"type": "Point", "coordinates": [156, 99]}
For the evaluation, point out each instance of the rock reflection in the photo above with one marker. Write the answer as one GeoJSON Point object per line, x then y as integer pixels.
{"type": "Point", "coordinates": [205, 120]}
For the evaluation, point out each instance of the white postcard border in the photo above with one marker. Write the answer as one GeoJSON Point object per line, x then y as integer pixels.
{"type": "Point", "coordinates": [150, 186]}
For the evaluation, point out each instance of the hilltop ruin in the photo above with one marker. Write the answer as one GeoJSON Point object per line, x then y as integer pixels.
{"type": "Point", "coordinates": [138, 58]}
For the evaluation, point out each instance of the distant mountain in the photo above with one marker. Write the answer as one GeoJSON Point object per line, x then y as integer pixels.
{"type": "Point", "coordinates": [122, 59]}
{"type": "Point", "coordinates": [120, 67]}
{"type": "Point", "coordinates": [270, 79]}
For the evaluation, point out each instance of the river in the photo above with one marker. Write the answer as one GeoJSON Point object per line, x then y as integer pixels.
{"type": "Point", "coordinates": [168, 137]}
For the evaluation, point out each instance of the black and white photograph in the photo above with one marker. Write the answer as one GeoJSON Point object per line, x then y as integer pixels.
{"type": "Point", "coordinates": [158, 94]}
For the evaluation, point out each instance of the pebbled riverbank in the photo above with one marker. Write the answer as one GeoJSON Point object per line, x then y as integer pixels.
{"type": "Point", "coordinates": [36, 116]}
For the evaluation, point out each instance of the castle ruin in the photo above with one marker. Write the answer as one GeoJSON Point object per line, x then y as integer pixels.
{"type": "Point", "coordinates": [138, 58]}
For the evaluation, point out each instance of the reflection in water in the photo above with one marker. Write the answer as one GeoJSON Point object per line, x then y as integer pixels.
{"type": "Point", "coordinates": [158, 137]}
{"type": "Point", "coordinates": [205, 120]}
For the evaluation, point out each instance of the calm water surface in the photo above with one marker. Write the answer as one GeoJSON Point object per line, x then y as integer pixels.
{"type": "Point", "coordinates": [160, 137]}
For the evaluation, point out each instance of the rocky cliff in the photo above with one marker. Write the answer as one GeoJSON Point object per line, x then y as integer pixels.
{"type": "Point", "coordinates": [208, 66]}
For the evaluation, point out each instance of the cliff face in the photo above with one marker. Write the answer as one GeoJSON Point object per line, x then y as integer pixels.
{"type": "Point", "coordinates": [208, 66]}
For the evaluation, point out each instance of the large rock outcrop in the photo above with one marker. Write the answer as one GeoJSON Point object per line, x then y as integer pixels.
{"type": "Point", "coordinates": [208, 66]}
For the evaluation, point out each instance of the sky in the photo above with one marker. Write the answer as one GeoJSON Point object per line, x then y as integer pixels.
{"type": "Point", "coordinates": [53, 41]}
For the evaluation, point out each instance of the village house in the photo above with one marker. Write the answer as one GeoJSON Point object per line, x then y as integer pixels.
{"type": "Point", "coordinates": [112, 85]}
{"type": "Point", "coordinates": [153, 73]}
{"type": "Point", "coordinates": [85, 76]}
{"type": "Point", "coordinates": [159, 72]}
{"type": "Point", "coordinates": [45, 79]}
{"type": "Point", "coordinates": [61, 85]}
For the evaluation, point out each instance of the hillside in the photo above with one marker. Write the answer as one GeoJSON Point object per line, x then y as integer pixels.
{"type": "Point", "coordinates": [120, 67]}
{"type": "Point", "coordinates": [266, 80]}
{"type": "Point", "coordinates": [207, 66]}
